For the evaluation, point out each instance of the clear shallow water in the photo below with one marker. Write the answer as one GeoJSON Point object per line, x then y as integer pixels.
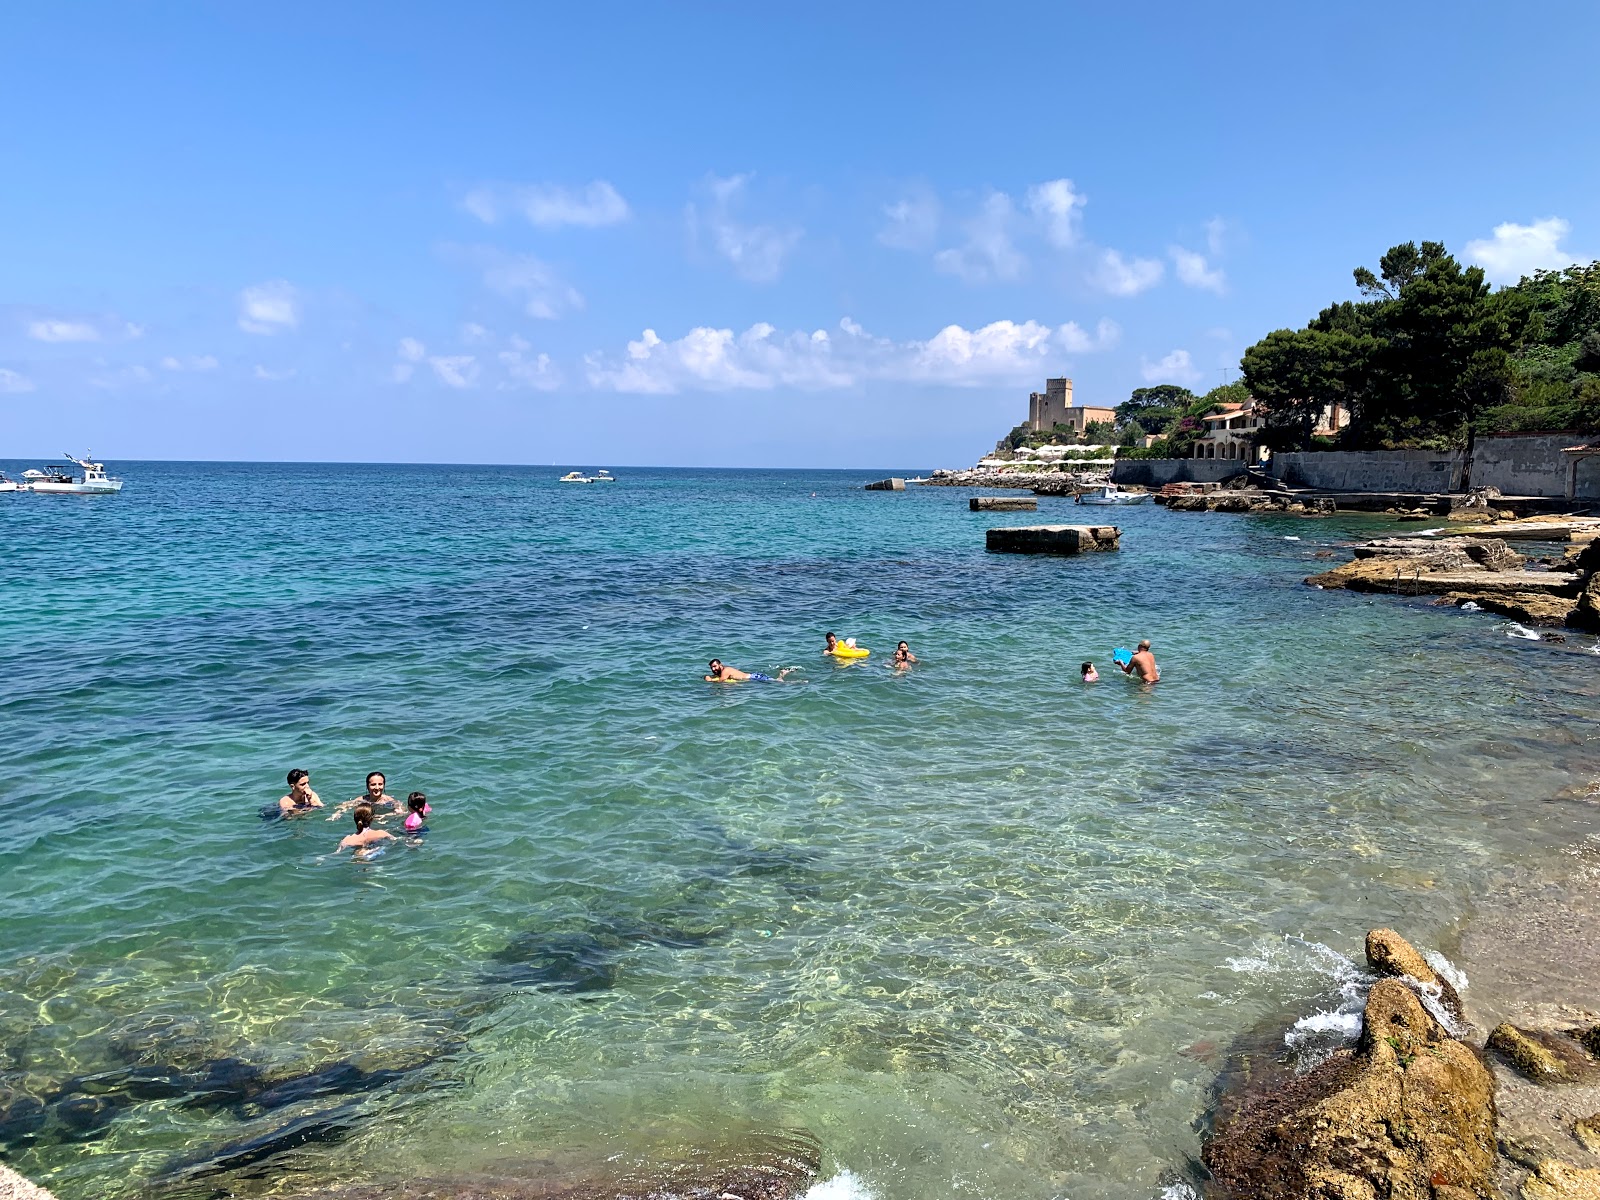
{"type": "Point", "coordinates": [978, 928]}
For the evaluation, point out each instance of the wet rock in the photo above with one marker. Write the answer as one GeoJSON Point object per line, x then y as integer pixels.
{"type": "Point", "coordinates": [1587, 1131]}
{"type": "Point", "coordinates": [1556, 1180]}
{"type": "Point", "coordinates": [1530, 608]}
{"type": "Point", "coordinates": [1586, 612]}
{"type": "Point", "coordinates": [1407, 1112]}
{"type": "Point", "coordinates": [1390, 954]}
{"type": "Point", "coordinates": [1546, 1058]}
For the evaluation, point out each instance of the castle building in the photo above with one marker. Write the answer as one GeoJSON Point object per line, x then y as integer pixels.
{"type": "Point", "coordinates": [1053, 407]}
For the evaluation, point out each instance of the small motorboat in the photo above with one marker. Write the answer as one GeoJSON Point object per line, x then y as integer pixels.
{"type": "Point", "coordinates": [574, 477]}
{"type": "Point", "coordinates": [1111, 494]}
{"type": "Point", "coordinates": [603, 477]}
{"type": "Point", "coordinates": [8, 484]}
{"type": "Point", "coordinates": [60, 481]}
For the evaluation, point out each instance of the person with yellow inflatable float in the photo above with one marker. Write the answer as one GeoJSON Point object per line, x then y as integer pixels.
{"type": "Point", "coordinates": [844, 649]}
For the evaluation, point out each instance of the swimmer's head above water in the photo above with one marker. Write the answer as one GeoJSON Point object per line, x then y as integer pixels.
{"type": "Point", "coordinates": [418, 807]}
{"type": "Point", "coordinates": [363, 817]}
{"type": "Point", "coordinates": [715, 666]}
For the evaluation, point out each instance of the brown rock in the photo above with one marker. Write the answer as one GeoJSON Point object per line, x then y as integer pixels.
{"type": "Point", "coordinates": [1408, 1112]}
{"type": "Point", "coordinates": [1556, 1180]}
{"type": "Point", "coordinates": [1587, 1131]}
{"type": "Point", "coordinates": [1531, 608]}
{"type": "Point", "coordinates": [15, 1187]}
{"type": "Point", "coordinates": [1545, 1058]}
{"type": "Point", "coordinates": [1390, 954]}
{"type": "Point", "coordinates": [1586, 613]}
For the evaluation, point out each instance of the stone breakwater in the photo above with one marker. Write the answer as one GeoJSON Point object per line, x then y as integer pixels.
{"type": "Point", "coordinates": [1420, 1107]}
{"type": "Point", "coordinates": [1484, 572]}
{"type": "Point", "coordinates": [1043, 483]}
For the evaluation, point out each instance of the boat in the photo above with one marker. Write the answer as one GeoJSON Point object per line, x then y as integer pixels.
{"type": "Point", "coordinates": [56, 480]}
{"type": "Point", "coordinates": [1111, 494]}
{"type": "Point", "coordinates": [603, 477]}
{"type": "Point", "coordinates": [574, 477]}
{"type": "Point", "coordinates": [11, 485]}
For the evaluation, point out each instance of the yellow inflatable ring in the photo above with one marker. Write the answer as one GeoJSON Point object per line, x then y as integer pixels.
{"type": "Point", "coordinates": [840, 650]}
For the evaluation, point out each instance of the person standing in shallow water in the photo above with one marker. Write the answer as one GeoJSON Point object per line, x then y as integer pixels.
{"type": "Point", "coordinates": [300, 798]}
{"type": "Point", "coordinates": [1143, 664]}
{"type": "Point", "coordinates": [365, 835]}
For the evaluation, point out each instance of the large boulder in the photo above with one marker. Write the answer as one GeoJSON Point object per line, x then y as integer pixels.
{"type": "Point", "coordinates": [1406, 1115]}
{"type": "Point", "coordinates": [1531, 608]}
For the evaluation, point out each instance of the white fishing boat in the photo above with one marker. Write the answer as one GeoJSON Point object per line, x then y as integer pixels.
{"type": "Point", "coordinates": [574, 477]}
{"type": "Point", "coordinates": [1111, 494]}
{"type": "Point", "coordinates": [8, 484]}
{"type": "Point", "coordinates": [61, 481]}
{"type": "Point", "coordinates": [603, 477]}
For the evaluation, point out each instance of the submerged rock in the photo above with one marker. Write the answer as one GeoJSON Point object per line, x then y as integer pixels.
{"type": "Point", "coordinates": [1556, 1180]}
{"type": "Point", "coordinates": [1405, 1115]}
{"type": "Point", "coordinates": [1531, 608]}
{"type": "Point", "coordinates": [1544, 1057]}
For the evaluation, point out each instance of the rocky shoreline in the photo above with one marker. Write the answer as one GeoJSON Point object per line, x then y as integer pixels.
{"type": "Point", "coordinates": [1485, 573]}
{"type": "Point", "coordinates": [1043, 483]}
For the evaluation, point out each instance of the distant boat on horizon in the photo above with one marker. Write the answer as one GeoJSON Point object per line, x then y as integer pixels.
{"type": "Point", "coordinates": [56, 480]}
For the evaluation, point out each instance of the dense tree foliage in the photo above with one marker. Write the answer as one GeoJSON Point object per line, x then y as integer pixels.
{"type": "Point", "coordinates": [1154, 408]}
{"type": "Point", "coordinates": [1432, 355]}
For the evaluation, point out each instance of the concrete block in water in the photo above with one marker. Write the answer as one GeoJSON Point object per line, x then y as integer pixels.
{"type": "Point", "coordinates": [887, 485]}
{"type": "Point", "coordinates": [1053, 539]}
{"type": "Point", "coordinates": [1003, 504]}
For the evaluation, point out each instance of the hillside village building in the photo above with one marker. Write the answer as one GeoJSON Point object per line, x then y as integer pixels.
{"type": "Point", "coordinates": [1053, 407]}
{"type": "Point", "coordinates": [1234, 430]}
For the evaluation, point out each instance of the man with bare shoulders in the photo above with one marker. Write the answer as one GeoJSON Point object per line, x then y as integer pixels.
{"type": "Point", "coordinates": [301, 798]}
{"type": "Point", "coordinates": [1143, 663]}
{"type": "Point", "coordinates": [382, 804]}
{"type": "Point", "coordinates": [722, 674]}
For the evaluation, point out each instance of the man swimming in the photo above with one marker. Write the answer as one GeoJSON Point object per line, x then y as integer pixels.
{"type": "Point", "coordinates": [1144, 663]}
{"type": "Point", "coordinates": [375, 799]}
{"type": "Point", "coordinates": [300, 798]}
{"type": "Point", "coordinates": [722, 674]}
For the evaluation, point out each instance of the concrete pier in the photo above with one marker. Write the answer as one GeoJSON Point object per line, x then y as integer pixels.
{"type": "Point", "coordinates": [1053, 539]}
{"type": "Point", "coordinates": [1003, 504]}
{"type": "Point", "coordinates": [895, 484]}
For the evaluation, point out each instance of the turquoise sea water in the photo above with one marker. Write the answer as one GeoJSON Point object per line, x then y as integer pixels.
{"type": "Point", "coordinates": [978, 928]}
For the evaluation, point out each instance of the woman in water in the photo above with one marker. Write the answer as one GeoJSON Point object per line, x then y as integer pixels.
{"type": "Point", "coordinates": [365, 835]}
{"type": "Point", "coordinates": [903, 657]}
{"type": "Point", "coordinates": [377, 799]}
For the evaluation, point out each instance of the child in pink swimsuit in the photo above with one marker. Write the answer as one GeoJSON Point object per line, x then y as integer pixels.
{"type": "Point", "coordinates": [419, 808]}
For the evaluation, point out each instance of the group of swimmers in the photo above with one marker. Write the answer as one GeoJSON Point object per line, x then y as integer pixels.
{"type": "Point", "coordinates": [720, 673]}
{"type": "Point", "coordinates": [373, 806]}
{"type": "Point", "coordinates": [1141, 663]}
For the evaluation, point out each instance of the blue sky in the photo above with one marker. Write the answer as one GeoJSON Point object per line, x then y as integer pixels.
{"type": "Point", "coordinates": [829, 235]}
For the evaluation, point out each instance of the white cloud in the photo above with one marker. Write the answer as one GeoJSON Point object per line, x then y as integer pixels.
{"type": "Point", "coordinates": [762, 358]}
{"type": "Point", "coordinates": [756, 252]}
{"type": "Point", "coordinates": [1518, 250]}
{"type": "Point", "coordinates": [1078, 341]}
{"type": "Point", "coordinates": [523, 371]}
{"type": "Point", "coordinates": [913, 222]}
{"type": "Point", "coordinates": [1059, 205]}
{"type": "Point", "coordinates": [270, 376]}
{"type": "Point", "coordinates": [1216, 229]}
{"type": "Point", "coordinates": [1193, 271]}
{"type": "Point", "coordinates": [530, 282]}
{"type": "Point", "coordinates": [474, 334]}
{"type": "Point", "coordinates": [120, 377]}
{"type": "Point", "coordinates": [1174, 368]}
{"type": "Point", "coordinates": [548, 205]}
{"type": "Point", "coordinates": [455, 370]}
{"type": "Point", "coordinates": [63, 331]}
{"type": "Point", "coordinates": [1126, 277]}
{"type": "Point", "coordinates": [410, 352]}
{"type": "Point", "coordinates": [194, 362]}
{"type": "Point", "coordinates": [269, 308]}
{"type": "Point", "coordinates": [13, 383]}
{"type": "Point", "coordinates": [988, 253]}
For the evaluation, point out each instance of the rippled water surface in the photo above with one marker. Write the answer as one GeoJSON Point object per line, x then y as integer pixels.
{"type": "Point", "coordinates": [977, 928]}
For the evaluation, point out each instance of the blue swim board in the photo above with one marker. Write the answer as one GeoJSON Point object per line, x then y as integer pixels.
{"type": "Point", "coordinates": [1121, 657]}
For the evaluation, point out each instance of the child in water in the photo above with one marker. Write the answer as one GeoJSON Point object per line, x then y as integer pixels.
{"type": "Point", "coordinates": [1090, 675]}
{"type": "Point", "coordinates": [365, 835]}
{"type": "Point", "coordinates": [418, 807]}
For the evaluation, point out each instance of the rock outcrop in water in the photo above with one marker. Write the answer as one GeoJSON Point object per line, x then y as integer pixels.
{"type": "Point", "coordinates": [1407, 1114]}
